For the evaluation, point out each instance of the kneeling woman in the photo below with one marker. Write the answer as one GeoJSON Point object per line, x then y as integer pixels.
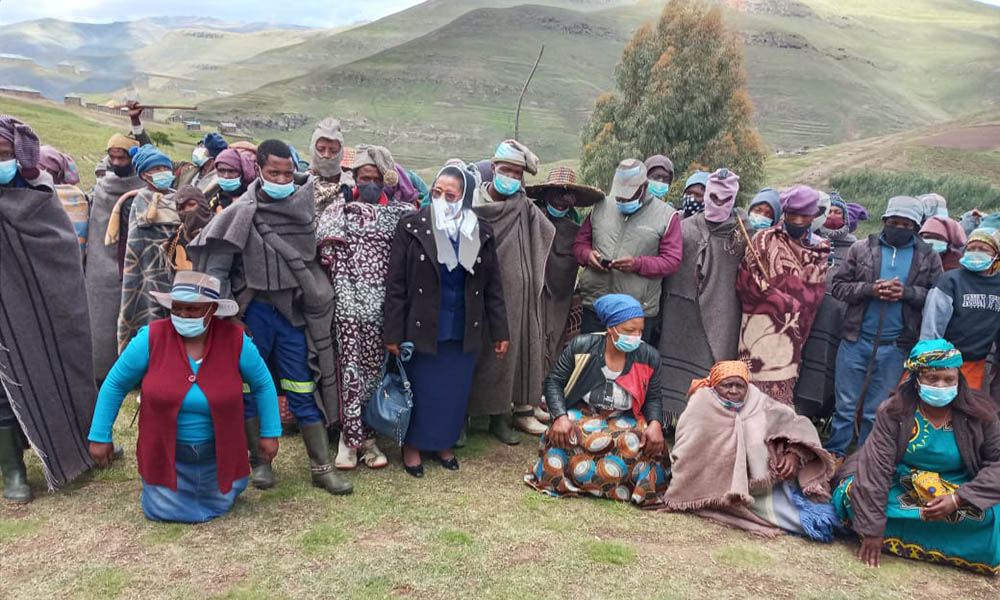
{"type": "Point", "coordinates": [926, 484]}
{"type": "Point", "coordinates": [743, 459]}
{"type": "Point", "coordinates": [192, 449]}
{"type": "Point", "coordinates": [606, 437]}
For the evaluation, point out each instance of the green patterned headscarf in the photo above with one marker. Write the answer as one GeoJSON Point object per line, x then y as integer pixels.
{"type": "Point", "coordinates": [928, 355]}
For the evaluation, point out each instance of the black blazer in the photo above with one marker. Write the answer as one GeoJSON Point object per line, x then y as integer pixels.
{"type": "Point", "coordinates": [413, 289]}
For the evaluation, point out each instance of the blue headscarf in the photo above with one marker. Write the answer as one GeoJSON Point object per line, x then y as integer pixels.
{"type": "Point", "coordinates": [214, 143]}
{"type": "Point", "coordinates": [933, 354]}
{"type": "Point", "coordinates": [772, 198]}
{"type": "Point", "coordinates": [615, 309]}
{"type": "Point", "coordinates": [146, 157]}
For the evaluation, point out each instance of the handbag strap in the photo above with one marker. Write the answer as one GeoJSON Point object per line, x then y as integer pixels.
{"type": "Point", "coordinates": [399, 366]}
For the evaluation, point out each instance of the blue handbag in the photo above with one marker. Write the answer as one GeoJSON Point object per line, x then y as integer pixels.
{"type": "Point", "coordinates": [388, 411]}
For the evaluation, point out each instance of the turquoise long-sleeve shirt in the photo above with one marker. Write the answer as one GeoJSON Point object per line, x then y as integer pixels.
{"type": "Point", "coordinates": [194, 421]}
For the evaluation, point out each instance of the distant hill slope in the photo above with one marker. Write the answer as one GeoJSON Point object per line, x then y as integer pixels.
{"type": "Point", "coordinates": [820, 72]}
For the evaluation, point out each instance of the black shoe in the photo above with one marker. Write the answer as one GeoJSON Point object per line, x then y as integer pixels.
{"type": "Point", "coordinates": [417, 471]}
{"type": "Point", "coordinates": [449, 463]}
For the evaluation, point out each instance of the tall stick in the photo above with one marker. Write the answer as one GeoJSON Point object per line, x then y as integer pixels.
{"type": "Point", "coordinates": [517, 115]}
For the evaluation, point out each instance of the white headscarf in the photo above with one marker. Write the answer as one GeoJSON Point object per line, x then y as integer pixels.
{"type": "Point", "coordinates": [456, 222]}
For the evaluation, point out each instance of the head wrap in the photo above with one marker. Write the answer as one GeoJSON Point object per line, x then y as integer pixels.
{"type": "Point", "coordinates": [906, 207]}
{"type": "Point", "coordinates": [841, 232]}
{"type": "Point", "coordinates": [800, 200]}
{"type": "Point", "coordinates": [934, 205]}
{"type": "Point", "coordinates": [770, 197]}
{"type": "Point", "coordinates": [380, 158]}
{"type": "Point", "coordinates": [62, 165]}
{"type": "Point", "coordinates": [459, 228]}
{"type": "Point", "coordinates": [724, 184]}
{"type": "Point", "coordinates": [696, 178]}
{"type": "Point", "coordinates": [146, 157]}
{"type": "Point", "coordinates": [214, 143]}
{"type": "Point", "coordinates": [243, 161]}
{"type": "Point", "coordinates": [120, 141]}
{"type": "Point", "coordinates": [516, 153]}
{"type": "Point", "coordinates": [26, 146]}
{"type": "Point", "coordinates": [721, 371]}
{"type": "Point", "coordinates": [855, 213]}
{"type": "Point", "coordinates": [947, 228]}
{"type": "Point", "coordinates": [988, 236]}
{"type": "Point", "coordinates": [328, 128]}
{"type": "Point", "coordinates": [824, 210]}
{"type": "Point", "coordinates": [933, 354]}
{"type": "Point", "coordinates": [615, 309]}
{"type": "Point", "coordinates": [195, 220]}
{"type": "Point", "coordinates": [658, 160]}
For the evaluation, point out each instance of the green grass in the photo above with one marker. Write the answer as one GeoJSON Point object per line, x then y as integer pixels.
{"type": "Point", "coordinates": [103, 583]}
{"type": "Point", "coordinates": [320, 539]}
{"type": "Point", "coordinates": [16, 528]}
{"type": "Point", "coordinates": [609, 553]}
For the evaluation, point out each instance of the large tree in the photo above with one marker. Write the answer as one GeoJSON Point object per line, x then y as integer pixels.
{"type": "Point", "coordinates": [681, 92]}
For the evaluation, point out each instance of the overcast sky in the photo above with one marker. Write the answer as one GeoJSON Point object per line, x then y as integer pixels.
{"type": "Point", "coordinates": [314, 13]}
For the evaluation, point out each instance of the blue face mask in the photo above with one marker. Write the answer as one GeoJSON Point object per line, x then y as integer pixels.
{"type": "Point", "coordinates": [199, 156]}
{"type": "Point", "coordinates": [163, 180]}
{"type": "Point", "coordinates": [759, 221]}
{"type": "Point", "coordinates": [658, 189]}
{"type": "Point", "coordinates": [8, 169]}
{"type": "Point", "coordinates": [938, 396]}
{"type": "Point", "coordinates": [507, 186]}
{"type": "Point", "coordinates": [940, 246]}
{"type": "Point", "coordinates": [627, 208]}
{"type": "Point", "coordinates": [189, 327]}
{"type": "Point", "coordinates": [976, 261]}
{"type": "Point", "coordinates": [627, 343]}
{"type": "Point", "coordinates": [278, 191]}
{"type": "Point", "coordinates": [229, 185]}
{"type": "Point", "coordinates": [557, 213]}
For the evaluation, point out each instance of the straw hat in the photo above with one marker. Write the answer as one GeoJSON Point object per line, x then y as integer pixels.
{"type": "Point", "coordinates": [194, 287]}
{"type": "Point", "coordinates": [564, 178]}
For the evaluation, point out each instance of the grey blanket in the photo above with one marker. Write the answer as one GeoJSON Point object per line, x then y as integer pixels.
{"type": "Point", "coordinates": [104, 282]}
{"type": "Point", "coordinates": [701, 310]}
{"type": "Point", "coordinates": [277, 244]}
{"type": "Point", "coordinates": [45, 356]}
{"type": "Point", "coordinates": [814, 391]}
{"type": "Point", "coordinates": [560, 281]}
{"type": "Point", "coordinates": [523, 238]}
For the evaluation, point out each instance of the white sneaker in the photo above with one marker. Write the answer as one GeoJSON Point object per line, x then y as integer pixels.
{"type": "Point", "coordinates": [529, 424]}
{"type": "Point", "coordinates": [347, 458]}
{"type": "Point", "coordinates": [373, 456]}
{"type": "Point", "coordinates": [542, 416]}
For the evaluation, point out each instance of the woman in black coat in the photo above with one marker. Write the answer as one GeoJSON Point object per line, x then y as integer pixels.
{"type": "Point", "coordinates": [443, 295]}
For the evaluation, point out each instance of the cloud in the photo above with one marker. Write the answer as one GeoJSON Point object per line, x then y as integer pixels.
{"type": "Point", "coordinates": [316, 13]}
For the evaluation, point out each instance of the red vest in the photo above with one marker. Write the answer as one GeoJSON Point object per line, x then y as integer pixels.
{"type": "Point", "coordinates": [167, 381]}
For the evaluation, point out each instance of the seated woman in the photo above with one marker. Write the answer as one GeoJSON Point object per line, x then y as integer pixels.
{"type": "Point", "coordinates": [606, 437]}
{"type": "Point", "coordinates": [746, 460]}
{"type": "Point", "coordinates": [192, 449]}
{"type": "Point", "coordinates": [926, 484]}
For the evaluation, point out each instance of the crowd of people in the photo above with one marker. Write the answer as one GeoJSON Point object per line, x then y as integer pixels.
{"type": "Point", "coordinates": [681, 359]}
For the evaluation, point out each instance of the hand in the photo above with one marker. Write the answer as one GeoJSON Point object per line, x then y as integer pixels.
{"type": "Point", "coordinates": [501, 349]}
{"type": "Point", "coordinates": [560, 431]}
{"type": "Point", "coordinates": [102, 453]}
{"type": "Point", "coordinates": [625, 264]}
{"type": "Point", "coordinates": [393, 348]}
{"type": "Point", "coordinates": [976, 214]}
{"type": "Point", "coordinates": [870, 551]}
{"type": "Point", "coordinates": [788, 466]}
{"type": "Point", "coordinates": [134, 111]}
{"type": "Point", "coordinates": [268, 448]}
{"type": "Point", "coordinates": [940, 508]}
{"type": "Point", "coordinates": [895, 290]}
{"type": "Point", "coordinates": [652, 439]}
{"type": "Point", "coordinates": [594, 261]}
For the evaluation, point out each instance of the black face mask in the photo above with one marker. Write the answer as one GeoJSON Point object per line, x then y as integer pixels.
{"type": "Point", "coordinates": [370, 193]}
{"type": "Point", "coordinates": [897, 237]}
{"type": "Point", "coordinates": [796, 231]}
{"type": "Point", "coordinates": [122, 171]}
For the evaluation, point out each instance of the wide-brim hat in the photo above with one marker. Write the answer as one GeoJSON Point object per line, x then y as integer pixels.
{"type": "Point", "coordinates": [194, 287]}
{"type": "Point", "coordinates": [564, 178]}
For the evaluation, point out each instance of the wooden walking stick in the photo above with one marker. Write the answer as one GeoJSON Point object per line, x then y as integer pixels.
{"type": "Point", "coordinates": [746, 236]}
{"type": "Point", "coordinates": [517, 114]}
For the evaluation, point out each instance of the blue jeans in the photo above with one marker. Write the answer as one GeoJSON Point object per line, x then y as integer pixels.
{"type": "Point", "coordinates": [276, 338]}
{"type": "Point", "coordinates": [852, 363]}
{"type": "Point", "coordinates": [197, 498]}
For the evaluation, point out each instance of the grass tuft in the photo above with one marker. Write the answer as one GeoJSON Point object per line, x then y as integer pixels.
{"type": "Point", "coordinates": [319, 539]}
{"type": "Point", "coordinates": [103, 583]}
{"type": "Point", "coordinates": [13, 529]}
{"type": "Point", "coordinates": [609, 553]}
{"type": "Point", "coordinates": [743, 556]}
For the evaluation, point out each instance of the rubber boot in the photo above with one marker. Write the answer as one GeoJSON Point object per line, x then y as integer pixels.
{"type": "Point", "coordinates": [317, 442]}
{"type": "Point", "coordinates": [261, 475]}
{"type": "Point", "coordinates": [501, 429]}
{"type": "Point", "coordinates": [15, 475]}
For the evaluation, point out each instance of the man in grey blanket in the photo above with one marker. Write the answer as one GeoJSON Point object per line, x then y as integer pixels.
{"type": "Point", "coordinates": [263, 248]}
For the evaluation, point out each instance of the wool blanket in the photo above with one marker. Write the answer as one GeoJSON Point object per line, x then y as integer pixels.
{"type": "Point", "coordinates": [276, 240]}
{"type": "Point", "coordinates": [700, 308]}
{"type": "Point", "coordinates": [781, 283]}
{"type": "Point", "coordinates": [354, 242]}
{"type": "Point", "coordinates": [153, 223]}
{"type": "Point", "coordinates": [524, 239]}
{"type": "Point", "coordinates": [814, 391]}
{"type": "Point", "coordinates": [104, 282]}
{"type": "Point", "coordinates": [561, 271]}
{"type": "Point", "coordinates": [46, 367]}
{"type": "Point", "coordinates": [722, 458]}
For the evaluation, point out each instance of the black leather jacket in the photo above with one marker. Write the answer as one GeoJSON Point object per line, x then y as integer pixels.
{"type": "Point", "coordinates": [579, 370]}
